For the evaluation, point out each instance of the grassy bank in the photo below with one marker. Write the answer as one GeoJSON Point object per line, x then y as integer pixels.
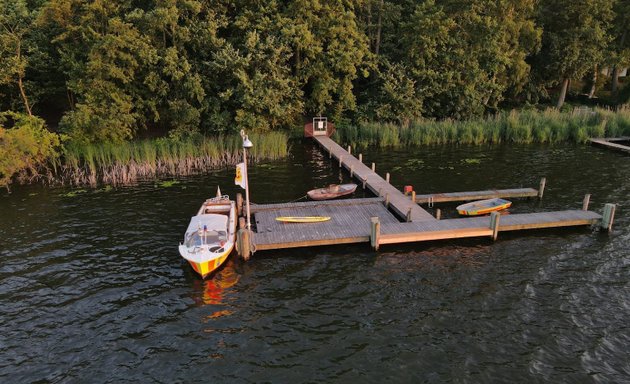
{"type": "Point", "coordinates": [126, 163]}
{"type": "Point", "coordinates": [527, 126]}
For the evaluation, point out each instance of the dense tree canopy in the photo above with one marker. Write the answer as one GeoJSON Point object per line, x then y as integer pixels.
{"type": "Point", "coordinates": [110, 70]}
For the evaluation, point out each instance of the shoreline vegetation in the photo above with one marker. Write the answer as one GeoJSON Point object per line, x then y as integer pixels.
{"type": "Point", "coordinates": [519, 127]}
{"type": "Point", "coordinates": [126, 163]}
{"type": "Point", "coordinates": [129, 162]}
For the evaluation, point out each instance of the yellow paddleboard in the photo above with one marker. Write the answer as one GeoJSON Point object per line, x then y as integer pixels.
{"type": "Point", "coordinates": [303, 219]}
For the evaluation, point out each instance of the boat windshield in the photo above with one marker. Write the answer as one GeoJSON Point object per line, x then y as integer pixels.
{"type": "Point", "coordinates": [201, 237]}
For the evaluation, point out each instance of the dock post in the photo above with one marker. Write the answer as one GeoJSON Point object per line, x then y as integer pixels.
{"type": "Point", "coordinates": [360, 157]}
{"type": "Point", "coordinates": [364, 181]}
{"type": "Point", "coordinates": [349, 150]}
{"type": "Point", "coordinates": [413, 196]}
{"type": "Point", "coordinates": [387, 200]}
{"type": "Point", "coordinates": [340, 157]}
{"type": "Point", "coordinates": [242, 240]}
{"type": "Point", "coordinates": [494, 224]}
{"type": "Point", "coordinates": [375, 232]}
{"type": "Point", "coordinates": [352, 171]}
{"type": "Point", "coordinates": [387, 177]}
{"type": "Point", "coordinates": [438, 213]}
{"type": "Point", "coordinates": [373, 167]}
{"type": "Point", "coordinates": [587, 199]}
{"type": "Point", "coordinates": [239, 204]}
{"type": "Point", "coordinates": [541, 188]}
{"type": "Point", "coordinates": [409, 215]}
{"type": "Point", "coordinates": [608, 216]}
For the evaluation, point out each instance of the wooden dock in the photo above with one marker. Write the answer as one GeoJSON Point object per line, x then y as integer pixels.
{"type": "Point", "coordinates": [402, 205]}
{"type": "Point", "coordinates": [613, 143]}
{"type": "Point", "coordinates": [352, 222]}
{"type": "Point", "coordinates": [476, 195]}
{"type": "Point", "coordinates": [482, 226]}
{"type": "Point", "coordinates": [349, 223]}
{"type": "Point", "coordinates": [392, 217]}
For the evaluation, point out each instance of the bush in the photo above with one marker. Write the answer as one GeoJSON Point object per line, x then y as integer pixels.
{"type": "Point", "coordinates": [25, 149]}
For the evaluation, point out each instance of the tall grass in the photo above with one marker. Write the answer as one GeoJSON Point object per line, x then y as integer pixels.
{"type": "Point", "coordinates": [128, 162]}
{"type": "Point", "coordinates": [523, 127]}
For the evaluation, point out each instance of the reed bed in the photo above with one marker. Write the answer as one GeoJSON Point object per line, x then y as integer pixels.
{"type": "Point", "coordinates": [521, 127]}
{"type": "Point", "coordinates": [127, 163]}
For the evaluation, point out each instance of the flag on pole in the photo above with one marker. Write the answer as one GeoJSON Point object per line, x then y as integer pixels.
{"type": "Point", "coordinates": [240, 175]}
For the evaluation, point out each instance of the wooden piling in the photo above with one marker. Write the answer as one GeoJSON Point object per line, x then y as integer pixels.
{"type": "Point", "coordinates": [586, 201]}
{"type": "Point", "coordinates": [349, 150]}
{"type": "Point", "coordinates": [438, 213]}
{"type": "Point", "coordinates": [375, 232]}
{"type": "Point", "coordinates": [360, 157]}
{"type": "Point", "coordinates": [413, 196]}
{"type": "Point", "coordinates": [494, 224]}
{"type": "Point", "coordinates": [387, 177]}
{"type": "Point", "coordinates": [351, 171]}
{"type": "Point", "coordinates": [373, 167]}
{"type": "Point", "coordinates": [608, 217]}
{"type": "Point", "coordinates": [364, 182]}
{"type": "Point", "coordinates": [239, 204]}
{"type": "Point", "coordinates": [243, 240]}
{"type": "Point", "coordinates": [387, 199]}
{"type": "Point", "coordinates": [541, 188]}
{"type": "Point", "coordinates": [409, 215]}
{"type": "Point", "coordinates": [340, 161]}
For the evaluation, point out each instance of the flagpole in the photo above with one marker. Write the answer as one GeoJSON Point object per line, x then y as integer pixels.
{"type": "Point", "coordinates": [246, 144]}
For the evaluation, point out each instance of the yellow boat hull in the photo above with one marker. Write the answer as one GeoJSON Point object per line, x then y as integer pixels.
{"type": "Point", "coordinates": [205, 268]}
{"type": "Point", "coordinates": [483, 207]}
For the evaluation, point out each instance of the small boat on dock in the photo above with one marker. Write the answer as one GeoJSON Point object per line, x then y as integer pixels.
{"type": "Point", "coordinates": [483, 207]}
{"type": "Point", "coordinates": [210, 236]}
{"type": "Point", "coordinates": [332, 191]}
{"type": "Point", "coordinates": [302, 219]}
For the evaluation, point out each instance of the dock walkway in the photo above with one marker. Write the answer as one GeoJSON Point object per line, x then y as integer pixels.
{"type": "Point", "coordinates": [402, 205]}
{"type": "Point", "coordinates": [349, 223]}
{"type": "Point", "coordinates": [613, 143]}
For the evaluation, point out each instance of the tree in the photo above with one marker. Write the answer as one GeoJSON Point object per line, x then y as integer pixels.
{"type": "Point", "coordinates": [15, 24]}
{"type": "Point", "coordinates": [26, 147]}
{"type": "Point", "coordinates": [619, 54]}
{"type": "Point", "coordinates": [574, 40]}
{"type": "Point", "coordinates": [103, 56]}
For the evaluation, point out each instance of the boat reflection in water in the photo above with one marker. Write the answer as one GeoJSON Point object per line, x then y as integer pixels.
{"type": "Point", "coordinates": [212, 291]}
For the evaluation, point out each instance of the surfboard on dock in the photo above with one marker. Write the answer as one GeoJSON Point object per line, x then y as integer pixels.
{"type": "Point", "coordinates": [303, 219]}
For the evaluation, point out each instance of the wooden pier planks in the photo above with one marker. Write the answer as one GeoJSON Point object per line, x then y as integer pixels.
{"type": "Point", "coordinates": [476, 195]}
{"type": "Point", "coordinates": [349, 223]}
{"type": "Point", "coordinates": [399, 203]}
{"type": "Point", "coordinates": [611, 143]}
{"type": "Point", "coordinates": [480, 226]}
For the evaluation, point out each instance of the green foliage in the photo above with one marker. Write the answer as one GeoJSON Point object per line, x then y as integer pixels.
{"type": "Point", "coordinates": [524, 127]}
{"type": "Point", "coordinates": [25, 149]}
{"type": "Point", "coordinates": [108, 71]}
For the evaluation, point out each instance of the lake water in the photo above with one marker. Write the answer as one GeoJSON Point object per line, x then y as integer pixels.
{"type": "Point", "coordinates": [92, 288]}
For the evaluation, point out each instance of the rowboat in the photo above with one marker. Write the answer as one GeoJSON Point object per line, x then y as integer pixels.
{"type": "Point", "coordinates": [210, 236]}
{"type": "Point", "coordinates": [482, 207]}
{"type": "Point", "coordinates": [302, 219]}
{"type": "Point", "coordinates": [331, 192]}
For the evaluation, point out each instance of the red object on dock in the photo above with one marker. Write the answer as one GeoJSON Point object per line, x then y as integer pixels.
{"type": "Point", "coordinates": [408, 189]}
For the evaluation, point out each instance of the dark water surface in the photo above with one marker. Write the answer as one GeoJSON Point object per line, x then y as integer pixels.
{"type": "Point", "coordinates": [92, 288]}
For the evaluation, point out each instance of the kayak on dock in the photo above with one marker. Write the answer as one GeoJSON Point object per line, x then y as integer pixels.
{"type": "Point", "coordinates": [303, 219]}
{"type": "Point", "coordinates": [483, 207]}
